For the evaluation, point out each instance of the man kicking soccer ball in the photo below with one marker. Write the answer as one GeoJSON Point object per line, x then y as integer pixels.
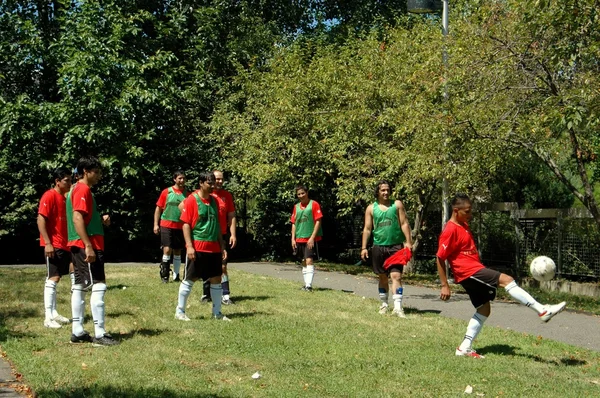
{"type": "Point", "coordinates": [456, 245]}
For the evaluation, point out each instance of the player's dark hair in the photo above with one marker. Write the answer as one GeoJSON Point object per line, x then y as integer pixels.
{"type": "Point", "coordinates": [301, 186]}
{"type": "Point", "coordinates": [379, 184]}
{"type": "Point", "coordinates": [178, 173]}
{"type": "Point", "coordinates": [206, 177]}
{"type": "Point", "coordinates": [88, 164]}
{"type": "Point", "coordinates": [59, 173]}
{"type": "Point", "coordinates": [459, 198]}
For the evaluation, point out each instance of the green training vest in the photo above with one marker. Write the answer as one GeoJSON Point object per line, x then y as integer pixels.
{"type": "Point", "coordinates": [93, 228]}
{"type": "Point", "coordinates": [305, 225]}
{"type": "Point", "coordinates": [207, 228]}
{"type": "Point", "coordinates": [386, 229]}
{"type": "Point", "coordinates": [172, 212]}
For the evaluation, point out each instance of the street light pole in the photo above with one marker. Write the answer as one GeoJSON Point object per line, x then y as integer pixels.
{"type": "Point", "coordinates": [445, 204]}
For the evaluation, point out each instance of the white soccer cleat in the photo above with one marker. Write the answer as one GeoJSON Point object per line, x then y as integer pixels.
{"type": "Point", "coordinates": [182, 317]}
{"type": "Point", "coordinates": [383, 309]}
{"type": "Point", "coordinates": [52, 324]}
{"type": "Point", "coordinates": [468, 353]}
{"type": "Point", "coordinates": [221, 317]}
{"type": "Point", "coordinates": [551, 310]}
{"type": "Point", "coordinates": [399, 312]}
{"type": "Point", "coordinates": [61, 319]}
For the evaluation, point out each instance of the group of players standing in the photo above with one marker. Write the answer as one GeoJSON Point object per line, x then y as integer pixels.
{"type": "Point", "coordinates": [204, 222]}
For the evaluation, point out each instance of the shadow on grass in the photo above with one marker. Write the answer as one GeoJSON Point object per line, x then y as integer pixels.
{"type": "Point", "coordinates": [410, 310]}
{"type": "Point", "coordinates": [236, 299]}
{"type": "Point", "coordinates": [5, 332]}
{"type": "Point", "coordinates": [117, 287]}
{"type": "Point", "coordinates": [238, 315]}
{"type": "Point", "coordinates": [504, 349]}
{"type": "Point", "coordinates": [137, 332]}
{"type": "Point", "coordinates": [116, 392]}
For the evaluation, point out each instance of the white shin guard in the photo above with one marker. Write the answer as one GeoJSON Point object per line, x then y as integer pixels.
{"type": "Point", "coordinates": [77, 308]}
{"type": "Point", "coordinates": [97, 304]}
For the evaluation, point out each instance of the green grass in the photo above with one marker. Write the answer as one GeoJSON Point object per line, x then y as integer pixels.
{"type": "Point", "coordinates": [327, 343]}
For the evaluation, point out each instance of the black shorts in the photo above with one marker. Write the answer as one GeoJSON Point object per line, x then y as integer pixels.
{"type": "Point", "coordinates": [86, 273]}
{"type": "Point", "coordinates": [303, 252]}
{"type": "Point", "coordinates": [205, 266]}
{"type": "Point", "coordinates": [59, 264]}
{"type": "Point", "coordinates": [482, 286]}
{"type": "Point", "coordinates": [381, 253]}
{"type": "Point", "coordinates": [171, 237]}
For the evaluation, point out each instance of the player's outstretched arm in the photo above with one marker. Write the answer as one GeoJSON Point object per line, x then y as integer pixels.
{"type": "Point", "coordinates": [364, 253]}
{"type": "Point", "coordinates": [445, 293]}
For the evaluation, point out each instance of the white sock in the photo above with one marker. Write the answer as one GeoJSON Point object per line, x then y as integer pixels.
{"type": "Point", "coordinates": [397, 301]}
{"type": "Point", "coordinates": [216, 293]}
{"type": "Point", "coordinates": [72, 278]}
{"type": "Point", "coordinates": [473, 329]}
{"type": "Point", "coordinates": [176, 265]}
{"type": "Point", "coordinates": [166, 258]}
{"type": "Point", "coordinates": [185, 288]}
{"type": "Point", "coordinates": [77, 309]}
{"type": "Point", "coordinates": [49, 298]}
{"type": "Point", "coordinates": [383, 295]}
{"type": "Point", "coordinates": [523, 297]}
{"type": "Point", "coordinates": [308, 273]}
{"type": "Point", "coordinates": [97, 304]}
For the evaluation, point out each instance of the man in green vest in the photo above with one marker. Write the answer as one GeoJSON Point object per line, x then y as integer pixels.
{"type": "Point", "coordinates": [306, 232]}
{"type": "Point", "coordinates": [86, 241]}
{"type": "Point", "coordinates": [391, 232]}
{"type": "Point", "coordinates": [168, 224]}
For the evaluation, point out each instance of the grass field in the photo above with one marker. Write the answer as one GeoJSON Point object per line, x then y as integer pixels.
{"type": "Point", "coordinates": [324, 344]}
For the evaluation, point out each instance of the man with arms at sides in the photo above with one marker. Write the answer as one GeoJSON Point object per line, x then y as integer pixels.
{"type": "Point", "coordinates": [391, 232]}
{"type": "Point", "coordinates": [204, 246]}
{"type": "Point", "coordinates": [86, 240]}
{"type": "Point", "coordinates": [168, 224]}
{"type": "Point", "coordinates": [306, 232]}
{"type": "Point", "coordinates": [227, 221]}
{"type": "Point", "coordinates": [456, 244]}
{"type": "Point", "coordinates": [52, 224]}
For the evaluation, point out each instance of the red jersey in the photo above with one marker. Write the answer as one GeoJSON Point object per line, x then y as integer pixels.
{"type": "Point", "coordinates": [53, 208]}
{"type": "Point", "coordinates": [189, 215]}
{"type": "Point", "coordinates": [456, 244]}
{"type": "Point", "coordinates": [83, 202]}
{"type": "Point", "coordinates": [226, 206]}
{"type": "Point", "coordinates": [317, 215]}
{"type": "Point", "coordinates": [162, 203]}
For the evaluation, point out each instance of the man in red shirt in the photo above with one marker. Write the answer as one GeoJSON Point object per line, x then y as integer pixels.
{"type": "Point", "coordinates": [227, 221]}
{"type": "Point", "coordinates": [456, 244]}
{"type": "Point", "coordinates": [205, 247]}
{"type": "Point", "coordinates": [52, 224]}
{"type": "Point", "coordinates": [168, 224]}
{"type": "Point", "coordinates": [86, 240]}
{"type": "Point", "coordinates": [306, 232]}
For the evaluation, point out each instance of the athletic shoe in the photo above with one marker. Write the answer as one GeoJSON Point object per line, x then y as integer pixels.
{"type": "Point", "coordinates": [468, 353]}
{"type": "Point", "coordinates": [84, 338]}
{"type": "Point", "coordinates": [307, 289]}
{"type": "Point", "coordinates": [177, 278]}
{"type": "Point", "coordinates": [165, 280]}
{"type": "Point", "coordinates": [61, 319]}
{"type": "Point", "coordinates": [226, 301]}
{"type": "Point", "coordinates": [383, 309]}
{"type": "Point", "coordinates": [52, 324]}
{"type": "Point", "coordinates": [399, 313]}
{"type": "Point", "coordinates": [221, 317]}
{"type": "Point", "coordinates": [182, 317]}
{"type": "Point", "coordinates": [104, 341]}
{"type": "Point", "coordinates": [205, 299]}
{"type": "Point", "coordinates": [551, 310]}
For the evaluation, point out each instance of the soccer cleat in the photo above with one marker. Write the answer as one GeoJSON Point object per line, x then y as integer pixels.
{"type": "Point", "coordinates": [84, 338]}
{"type": "Point", "coordinates": [399, 313]}
{"type": "Point", "coordinates": [383, 309]}
{"type": "Point", "coordinates": [307, 289]}
{"type": "Point", "coordinates": [551, 310]}
{"type": "Point", "coordinates": [104, 341]}
{"type": "Point", "coordinates": [52, 324]}
{"type": "Point", "coordinates": [226, 301]}
{"type": "Point", "coordinates": [468, 353]}
{"type": "Point", "coordinates": [205, 299]}
{"type": "Point", "coordinates": [221, 317]}
{"type": "Point", "coordinates": [165, 270]}
{"type": "Point", "coordinates": [61, 319]}
{"type": "Point", "coordinates": [176, 279]}
{"type": "Point", "coordinates": [182, 317]}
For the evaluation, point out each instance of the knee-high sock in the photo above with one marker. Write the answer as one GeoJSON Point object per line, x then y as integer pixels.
{"type": "Point", "coordinates": [308, 273]}
{"type": "Point", "coordinates": [216, 292]}
{"type": "Point", "coordinates": [185, 288]}
{"type": "Point", "coordinates": [398, 298]}
{"type": "Point", "coordinates": [225, 285]}
{"type": "Point", "coordinates": [97, 304]}
{"type": "Point", "coordinates": [77, 309]}
{"type": "Point", "coordinates": [166, 258]}
{"type": "Point", "coordinates": [50, 298]}
{"type": "Point", "coordinates": [383, 295]}
{"type": "Point", "coordinates": [473, 329]}
{"type": "Point", "coordinates": [176, 265]}
{"type": "Point", "coordinates": [523, 297]}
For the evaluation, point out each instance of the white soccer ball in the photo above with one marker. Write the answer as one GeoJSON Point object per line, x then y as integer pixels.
{"type": "Point", "coordinates": [542, 268]}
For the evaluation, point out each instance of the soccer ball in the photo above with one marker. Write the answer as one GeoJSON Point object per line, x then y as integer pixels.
{"type": "Point", "coordinates": [542, 268]}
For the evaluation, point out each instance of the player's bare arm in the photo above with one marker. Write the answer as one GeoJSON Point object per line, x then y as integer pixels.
{"type": "Point", "coordinates": [90, 254]}
{"type": "Point", "coordinates": [445, 293]}
{"type": "Point", "coordinates": [232, 222]}
{"type": "Point", "coordinates": [41, 223]}
{"type": "Point", "coordinates": [293, 236]}
{"type": "Point", "coordinates": [223, 247]}
{"type": "Point", "coordinates": [189, 243]}
{"type": "Point", "coordinates": [106, 220]}
{"type": "Point", "coordinates": [311, 241]}
{"type": "Point", "coordinates": [157, 214]}
{"type": "Point", "coordinates": [364, 253]}
{"type": "Point", "coordinates": [404, 224]}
